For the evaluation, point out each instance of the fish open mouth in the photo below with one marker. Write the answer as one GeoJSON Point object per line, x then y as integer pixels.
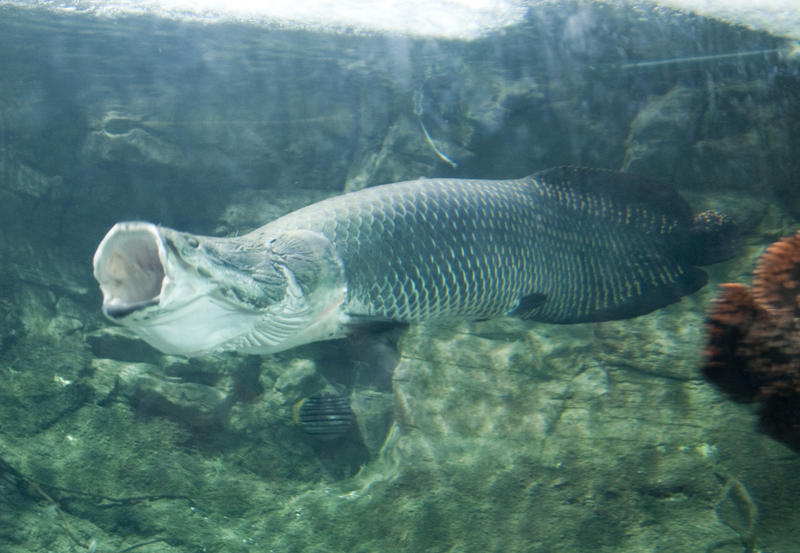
{"type": "Point", "coordinates": [129, 265]}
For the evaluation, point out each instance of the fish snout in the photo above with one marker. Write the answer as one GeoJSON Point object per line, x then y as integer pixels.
{"type": "Point", "coordinates": [129, 266]}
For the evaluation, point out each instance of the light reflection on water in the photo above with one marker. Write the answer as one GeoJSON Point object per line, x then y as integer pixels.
{"type": "Point", "coordinates": [459, 19]}
{"type": "Point", "coordinates": [462, 19]}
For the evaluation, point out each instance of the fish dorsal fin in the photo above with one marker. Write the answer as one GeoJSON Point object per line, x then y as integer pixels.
{"type": "Point", "coordinates": [624, 189]}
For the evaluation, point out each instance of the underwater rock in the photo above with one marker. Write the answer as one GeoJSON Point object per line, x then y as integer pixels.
{"type": "Point", "coordinates": [662, 132]}
{"type": "Point", "coordinates": [40, 391]}
{"type": "Point", "coordinates": [117, 343]}
{"type": "Point", "coordinates": [149, 392]}
{"type": "Point", "coordinates": [68, 319]}
{"type": "Point", "coordinates": [559, 416]}
{"type": "Point", "coordinates": [11, 327]}
{"type": "Point", "coordinates": [196, 405]}
{"type": "Point", "coordinates": [298, 375]}
{"type": "Point", "coordinates": [725, 139]}
{"type": "Point", "coordinates": [21, 178]}
{"type": "Point", "coordinates": [60, 325]}
{"type": "Point", "coordinates": [753, 351]}
{"type": "Point", "coordinates": [374, 414]}
{"type": "Point", "coordinates": [123, 138]}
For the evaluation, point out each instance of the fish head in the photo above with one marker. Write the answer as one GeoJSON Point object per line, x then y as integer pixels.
{"type": "Point", "coordinates": [175, 290]}
{"type": "Point", "coordinates": [190, 295]}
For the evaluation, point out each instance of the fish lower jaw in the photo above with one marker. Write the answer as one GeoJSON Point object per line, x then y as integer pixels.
{"type": "Point", "coordinates": [201, 327]}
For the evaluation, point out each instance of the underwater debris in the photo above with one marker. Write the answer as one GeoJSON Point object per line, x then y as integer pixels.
{"type": "Point", "coordinates": [788, 51]}
{"type": "Point", "coordinates": [753, 351]}
{"type": "Point", "coordinates": [418, 111]}
{"type": "Point", "coordinates": [736, 509]}
{"type": "Point", "coordinates": [324, 417]}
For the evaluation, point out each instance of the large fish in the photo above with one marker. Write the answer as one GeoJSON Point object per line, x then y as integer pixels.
{"type": "Point", "coordinates": [565, 245]}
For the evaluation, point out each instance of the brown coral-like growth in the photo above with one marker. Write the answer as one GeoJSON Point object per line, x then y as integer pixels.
{"type": "Point", "coordinates": [753, 350]}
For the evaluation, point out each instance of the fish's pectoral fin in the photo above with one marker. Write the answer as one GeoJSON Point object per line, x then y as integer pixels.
{"type": "Point", "coordinates": [528, 305]}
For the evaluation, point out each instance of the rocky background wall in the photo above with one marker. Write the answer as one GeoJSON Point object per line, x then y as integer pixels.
{"type": "Point", "coordinates": [494, 436]}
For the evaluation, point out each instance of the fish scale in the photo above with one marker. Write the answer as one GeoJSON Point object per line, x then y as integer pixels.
{"type": "Point", "coordinates": [584, 248]}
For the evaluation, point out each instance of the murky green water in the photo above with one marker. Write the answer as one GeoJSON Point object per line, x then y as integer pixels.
{"type": "Point", "coordinates": [498, 435]}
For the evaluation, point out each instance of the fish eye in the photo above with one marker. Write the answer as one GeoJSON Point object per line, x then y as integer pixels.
{"type": "Point", "coordinates": [192, 242]}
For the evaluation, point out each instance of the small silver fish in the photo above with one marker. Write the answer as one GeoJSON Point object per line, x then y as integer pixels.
{"type": "Point", "coordinates": [324, 417]}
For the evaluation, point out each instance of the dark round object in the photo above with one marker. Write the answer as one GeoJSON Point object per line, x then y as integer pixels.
{"type": "Point", "coordinates": [324, 417]}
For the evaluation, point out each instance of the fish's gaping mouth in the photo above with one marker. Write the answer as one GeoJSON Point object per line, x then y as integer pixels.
{"type": "Point", "coordinates": [129, 265]}
{"type": "Point", "coordinates": [190, 295]}
{"type": "Point", "coordinates": [170, 290]}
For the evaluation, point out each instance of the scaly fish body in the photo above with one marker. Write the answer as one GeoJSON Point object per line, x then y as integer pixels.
{"type": "Point", "coordinates": [562, 246]}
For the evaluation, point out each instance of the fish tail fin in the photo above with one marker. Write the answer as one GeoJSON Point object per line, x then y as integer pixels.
{"type": "Point", "coordinates": [712, 238]}
{"type": "Point", "coordinates": [621, 250]}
